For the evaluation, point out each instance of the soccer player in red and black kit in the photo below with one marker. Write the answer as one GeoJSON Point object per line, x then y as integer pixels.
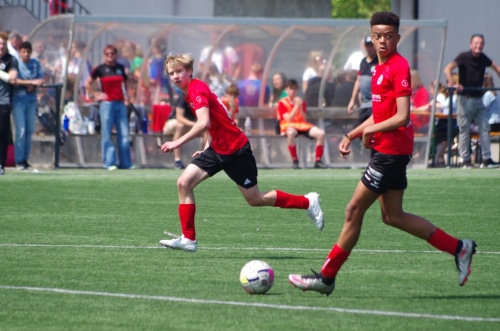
{"type": "Point", "coordinates": [227, 149]}
{"type": "Point", "coordinates": [389, 135]}
{"type": "Point", "coordinates": [112, 109]}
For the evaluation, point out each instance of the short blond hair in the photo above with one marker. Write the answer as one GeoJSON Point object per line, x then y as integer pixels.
{"type": "Point", "coordinates": [179, 60]}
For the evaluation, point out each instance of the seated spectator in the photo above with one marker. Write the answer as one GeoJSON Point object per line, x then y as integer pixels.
{"type": "Point", "coordinates": [492, 103]}
{"type": "Point", "coordinates": [216, 81]}
{"type": "Point", "coordinates": [180, 121]}
{"type": "Point", "coordinates": [293, 122]}
{"type": "Point", "coordinates": [419, 102]}
{"type": "Point", "coordinates": [250, 88]}
{"type": "Point", "coordinates": [311, 96]}
{"type": "Point", "coordinates": [441, 124]}
{"type": "Point", "coordinates": [230, 100]}
{"type": "Point", "coordinates": [314, 60]}
{"type": "Point", "coordinates": [278, 90]}
{"type": "Point", "coordinates": [344, 88]}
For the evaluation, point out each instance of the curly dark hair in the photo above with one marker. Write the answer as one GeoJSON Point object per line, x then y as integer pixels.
{"type": "Point", "coordinates": [384, 18]}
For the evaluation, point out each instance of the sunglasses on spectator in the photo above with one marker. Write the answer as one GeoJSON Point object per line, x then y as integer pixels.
{"type": "Point", "coordinates": [109, 53]}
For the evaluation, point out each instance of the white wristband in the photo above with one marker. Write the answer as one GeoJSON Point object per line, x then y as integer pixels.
{"type": "Point", "coordinates": [4, 76]}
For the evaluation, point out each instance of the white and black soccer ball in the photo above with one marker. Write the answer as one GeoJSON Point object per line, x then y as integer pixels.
{"type": "Point", "coordinates": [256, 277]}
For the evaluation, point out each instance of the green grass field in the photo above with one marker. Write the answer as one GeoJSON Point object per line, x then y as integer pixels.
{"type": "Point", "coordinates": [79, 251]}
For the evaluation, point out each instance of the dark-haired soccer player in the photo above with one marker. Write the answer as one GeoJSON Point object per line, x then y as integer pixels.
{"type": "Point", "coordinates": [389, 135]}
{"type": "Point", "coordinates": [227, 149]}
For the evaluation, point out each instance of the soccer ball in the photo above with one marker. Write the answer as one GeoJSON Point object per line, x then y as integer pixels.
{"type": "Point", "coordinates": [256, 277]}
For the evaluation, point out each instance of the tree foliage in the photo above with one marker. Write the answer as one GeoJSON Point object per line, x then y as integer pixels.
{"type": "Point", "coordinates": [358, 8]}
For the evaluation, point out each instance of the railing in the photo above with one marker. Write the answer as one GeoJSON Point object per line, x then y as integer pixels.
{"type": "Point", "coordinates": [41, 9]}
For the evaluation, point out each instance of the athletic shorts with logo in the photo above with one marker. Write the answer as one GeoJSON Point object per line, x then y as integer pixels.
{"type": "Point", "coordinates": [386, 172]}
{"type": "Point", "coordinates": [241, 166]}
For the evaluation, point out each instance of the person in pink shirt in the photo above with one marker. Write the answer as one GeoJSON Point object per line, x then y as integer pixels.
{"type": "Point", "coordinates": [227, 149]}
{"type": "Point", "coordinates": [389, 134]}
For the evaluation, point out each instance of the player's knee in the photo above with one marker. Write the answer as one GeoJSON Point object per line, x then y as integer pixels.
{"type": "Point", "coordinates": [351, 211]}
{"type": "Point", "coordinates": [390, 220]}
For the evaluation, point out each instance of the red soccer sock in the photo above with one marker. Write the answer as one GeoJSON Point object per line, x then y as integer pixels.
{"type": "Point", "coordinates": [186, 215]}
{"type": "Point", "coordinates": [287, 200]}
{"type": "Point", "coordinates": [334, 262]}
{"type": "Point", "coordinates": [293, 152]}
{"type": "Point", "coordinates": [319, 152]}
{"type": "Point", "coordinates": [443, 241]}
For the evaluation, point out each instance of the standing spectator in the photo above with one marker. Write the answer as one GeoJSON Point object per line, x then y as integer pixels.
{"type": "Point", "coordinates": [471, 68]}
{"type": "Point", "coordinates": [15, 40]}
{"type": "Point", "coordinates": [39, 55]}
{"type": "Point", "coordinates": [354, 60]}
{"type": "Point", "coordinates": [362, 89]}
{"type": "Point", "coordinates": [314, 60]}
{"type": "Point", "coordinates": [8, 75]}
{"type": "Point", "coordinates": [57, 7]}
{"type": "Point", "coordinates": [24, 102]}
{"type": "Point", "coordinates": [78, 67]}
{"type": "Point", "coordinates": [112, 109]}
{"type": "Point", "coordinates": [389, 135]}
{"type": "Point", "coordinates": [293, 122]}
{"type": "Point", "coordinates": [250, 87]}
{"type": "Point", "coordinates": [227, 149]}
{"type": "Point", "coordinates": [159, 82]}
{"type": "Point", "coordinates": [224, 57]}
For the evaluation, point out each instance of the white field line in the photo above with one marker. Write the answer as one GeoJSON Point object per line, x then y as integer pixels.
{"type": "Point", "coordinates": [291, 249]}
{"type": "Point", "coordinates": [253, 304]}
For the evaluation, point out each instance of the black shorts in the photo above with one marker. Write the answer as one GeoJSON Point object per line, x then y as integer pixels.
{"type": "Point", "coordinates": [304, 133]}
{"type": "Point", "coordinates": [241, 166]}
{"type": "Point", "coordinates": [386, 172]}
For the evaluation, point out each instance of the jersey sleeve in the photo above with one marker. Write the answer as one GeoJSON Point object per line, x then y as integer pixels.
{"type": "Point", "coordinates": [198, 99]}
{"type": "Point", "coordinates": [95, 73]}
{"type": "Point", "coordinates": [402, 81]}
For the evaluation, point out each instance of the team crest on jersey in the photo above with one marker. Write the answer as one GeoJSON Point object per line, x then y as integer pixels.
{"type": "Point", "coordinates": [2, 66]}
{"type": "Point", "coordinates": [380, 79]}
{"type": "Point", "coordinates": [198, 99]}
{"type": "Point", "coordinates": [404, 82]}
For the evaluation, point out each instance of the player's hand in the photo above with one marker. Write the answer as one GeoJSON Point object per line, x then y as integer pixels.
{"type": "Point", "coordinates": [367, 139]}
{"type": "Point", "coordinates": [344, 147]}
{"type": "Point", "coordinates": [168, 147]}
{"type": "Point", "coordinates": [350, 107]}
{"type": "Point", "coordinates": [100, 96]}
{"type": "Point", "coordinates": [195, 154]}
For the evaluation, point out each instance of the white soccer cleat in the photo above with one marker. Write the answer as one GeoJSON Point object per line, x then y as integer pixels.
{"type": "Point", "coordinates": [311, 283]}
{"type": "Point", "coordinates": [314, 211]}
{"type": "Point", "coordinates": [181, 243]}
{"type": "Point", "coordinates": [463, 259]}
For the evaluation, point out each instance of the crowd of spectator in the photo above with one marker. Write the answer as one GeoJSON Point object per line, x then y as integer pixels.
{"type": "Point", "coordinates": [231, 77]}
